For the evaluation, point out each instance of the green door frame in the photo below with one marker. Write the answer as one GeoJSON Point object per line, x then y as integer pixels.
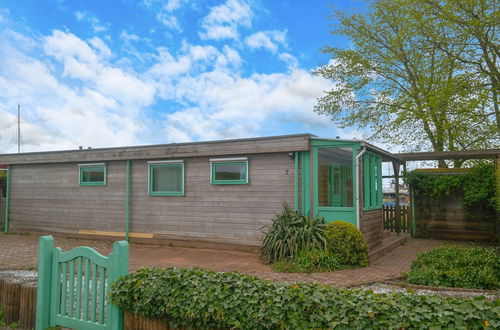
{"type": "Point", "coordinates": [347, 214]}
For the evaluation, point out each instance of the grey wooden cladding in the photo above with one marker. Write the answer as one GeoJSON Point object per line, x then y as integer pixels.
{"type": "Point", "coordinates": [372, 226]}
{"type": "Point", "coordinates": [48, 197]}
{"type": "Point", "coordinates": [230, 213]}
{"type": "Point", "coordinates": [287, 143]}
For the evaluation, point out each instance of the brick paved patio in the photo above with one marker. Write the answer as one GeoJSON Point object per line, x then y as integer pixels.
{"type": "Point", "coordinates": [20, 252]}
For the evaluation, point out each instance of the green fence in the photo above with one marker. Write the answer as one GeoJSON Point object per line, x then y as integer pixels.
{"type": "Point", "coordinates": [73, 285]}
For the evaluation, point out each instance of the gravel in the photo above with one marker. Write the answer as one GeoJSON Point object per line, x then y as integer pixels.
{"type": "Point", "coordinates": [443, 292]}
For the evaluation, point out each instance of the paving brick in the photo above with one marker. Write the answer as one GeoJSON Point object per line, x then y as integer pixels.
{"type": "Point", "coordinates": [20, 252]}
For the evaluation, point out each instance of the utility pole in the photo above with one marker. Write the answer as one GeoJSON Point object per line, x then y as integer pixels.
{"type": "Point", "coordinates": [18, 129]}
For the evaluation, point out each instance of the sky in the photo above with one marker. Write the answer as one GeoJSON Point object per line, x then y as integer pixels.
{"type": "Point", "coordinates": [119, 73]}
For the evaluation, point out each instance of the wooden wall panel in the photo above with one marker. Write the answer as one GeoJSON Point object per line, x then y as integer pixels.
{"type": "Point", "coordinates": [372, 226]}
{"type": "Point", "coordinates": [222, 213]}
{"type": "Point", "coordinates": [48, 197]}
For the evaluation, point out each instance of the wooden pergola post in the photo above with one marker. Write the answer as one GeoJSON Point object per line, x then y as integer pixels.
{"type": "Point", "coordinates": [396, 165]}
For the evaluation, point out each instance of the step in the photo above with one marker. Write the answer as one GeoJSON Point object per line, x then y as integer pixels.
{"type": "Point", "coordinates": [388, 244]}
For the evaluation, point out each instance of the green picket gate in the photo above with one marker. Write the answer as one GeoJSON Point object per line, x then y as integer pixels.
{"type": "Point", "coordinates": [72, 286]}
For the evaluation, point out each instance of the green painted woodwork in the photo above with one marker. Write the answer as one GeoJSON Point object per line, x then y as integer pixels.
{"type": "Point", "coordinates": [45, 252]}
{"type": "Point", "coordinates": [296, 181]}
{"type": "Point", "coordinates": [347, 214]}
{"type": "Point", "coordinates": [306, 192]}
{"type": "Point", "coordinates": [127, 201]}
{"type": "Point", "coordinates": [497, 176]}
{"type": "Point", "coordinates": [7, 199]}
{"type": "Point", "coordinates": [93, 181]}
{"type": "Point", "coordinates": [372, 181]}
{"type": "Point", "coordinates": [72, 286]}
{"type": "Point", "coordinates": [215, 180]}
{"type": "Point", "coordinates": [178, 192]}
{"type": "Point", "coordinates": [413, 214]}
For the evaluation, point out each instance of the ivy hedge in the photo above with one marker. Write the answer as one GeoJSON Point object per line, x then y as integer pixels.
{"type": "Point", "coordinates": [477, 186]}
{"type": "Point", "coordinates": [195, 298]}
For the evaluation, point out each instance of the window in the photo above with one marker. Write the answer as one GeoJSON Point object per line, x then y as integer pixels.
{"type": "Point", "coordinates": [372, 181]}
{"type": "Point", "coordinates": [166, 178]}
{"type": "Point", "coordinates": [92, 174]}
{"type": "Point", "coordinates": [229, 171]}
{"type": "Point", "coordinates": [335, 184]}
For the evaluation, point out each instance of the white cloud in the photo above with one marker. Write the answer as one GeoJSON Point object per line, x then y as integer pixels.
{"type": "Point", "coordinates": [168, 21]}
{"type": "Point", "coordinates": [224, 20]}
{"type": "Point", "coordinates": [79, 92]}
{"type": "Point", "coordinates": [172, 5]}
{"type": "Point", "coordinates": [100, 107]}
{"type": "Point", "coordinates": [94, 22]}
{"type": "Point", "coordinates": [125, 36]}
{"type": "Point", "coordinates": [270, 40]}
{"type": "Point", "coordinates": [234, 106]}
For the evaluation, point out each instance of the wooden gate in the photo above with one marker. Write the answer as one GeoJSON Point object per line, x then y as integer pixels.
{"type": "Point", "coordinates": [73, 285]}
{"type": "Point", "coordinates": [390, 218]}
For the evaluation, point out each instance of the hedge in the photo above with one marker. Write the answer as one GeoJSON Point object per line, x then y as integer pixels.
{"type": "Point", "coordinates": [195, 298]}
{"type": "Point", "coordinates": [452, 266]}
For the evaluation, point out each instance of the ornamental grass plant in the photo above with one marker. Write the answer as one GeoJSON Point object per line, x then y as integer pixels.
{"type": "Point", "coordinates": [291, 233]}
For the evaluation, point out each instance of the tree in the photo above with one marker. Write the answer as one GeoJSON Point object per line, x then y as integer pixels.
{"type": "Point", "coordinates": [406, 89]}
{"type": "Point", "coordinates": [479, 22]}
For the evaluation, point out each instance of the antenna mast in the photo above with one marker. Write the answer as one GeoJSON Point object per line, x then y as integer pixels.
{"type": "Point", "coordinates": [18, 129]}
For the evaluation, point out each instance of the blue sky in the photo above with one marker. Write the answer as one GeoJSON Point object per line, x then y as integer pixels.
{"type": "Point", "coordinates": [123, 72]}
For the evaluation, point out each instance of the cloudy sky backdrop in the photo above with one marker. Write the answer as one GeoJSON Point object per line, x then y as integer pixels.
{"type": "Point", "coordinates": [123, 72]}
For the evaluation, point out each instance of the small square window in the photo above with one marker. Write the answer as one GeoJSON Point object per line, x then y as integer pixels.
{"type": "Point", "coordinates": [229, 172]}
{"type": "Point", "coordinates": [166, 179]}
{"type": "Point", "coordinates": [92, 175]}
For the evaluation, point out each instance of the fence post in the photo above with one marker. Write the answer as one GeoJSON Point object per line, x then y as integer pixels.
{"type": "Point", "coordinates": [119, 267]}
{"type": "Point", "coordinates": [45, 250]}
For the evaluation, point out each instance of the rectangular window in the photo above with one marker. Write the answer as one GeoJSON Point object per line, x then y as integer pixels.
{"type": "Point", "coordinates": [230, 171]}
{"type": "Point", "coordinates": [335, 184]}
{"type": "Point", "coordinates": [92, 174]}
{"type": "Point", "coordinates": [166, 179]}
{"type": "Point", "coordinates": [372, 181]}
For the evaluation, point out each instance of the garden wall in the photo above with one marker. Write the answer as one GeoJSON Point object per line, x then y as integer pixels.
{"type": "Point", "coordinates": [447, 219]}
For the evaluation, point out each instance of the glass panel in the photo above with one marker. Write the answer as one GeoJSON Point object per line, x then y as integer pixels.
{"type": "Point", "coordinates": [92, 174]}
{"type": "Point", "coordinates": [230, 171]}
{"type": "Point", "coordinates": [335, 185]}
{"type": "Point", "coordinates": [167, 178]}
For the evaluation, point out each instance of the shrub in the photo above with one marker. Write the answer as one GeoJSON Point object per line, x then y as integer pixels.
{"type": "Point", "coordinates": [290, 233]}
{"type": "Point", "coordinates": [346, 241]}
{"type": "Point", "coordinates": [310, 261]}
{"type": "Point", "coordinates": [472, 268]}
{"type": "Point", "coordinates": [194, 298]}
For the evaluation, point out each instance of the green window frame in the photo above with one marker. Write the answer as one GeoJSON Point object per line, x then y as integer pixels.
{"type": "Point", "coordinates": [87, 179]}
{"type": "Point", "coordinates": [166, 164]}
{"type": "Point", "coordinates": [372, 181]}
{"type": "Point", "coordinates": [218, 163]}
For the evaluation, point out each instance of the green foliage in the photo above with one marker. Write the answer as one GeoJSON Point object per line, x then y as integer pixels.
{"type": "Point", "coordinates": [395, 78]}
{"type": "Point", "coordinates": [472, 268]}
{"type": "Point", "coordinates": [310, 261]}
{"type": "Point", "coordinates": [346, 242]}
{"type": "Point", "coordinates": [477, 186]}
{"type": "Point", "coordinates": [194, 298]}
{"type": "Point", "coordinates": [290, 233]}
{"type": "Point", "coordinates": [1, 317]}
